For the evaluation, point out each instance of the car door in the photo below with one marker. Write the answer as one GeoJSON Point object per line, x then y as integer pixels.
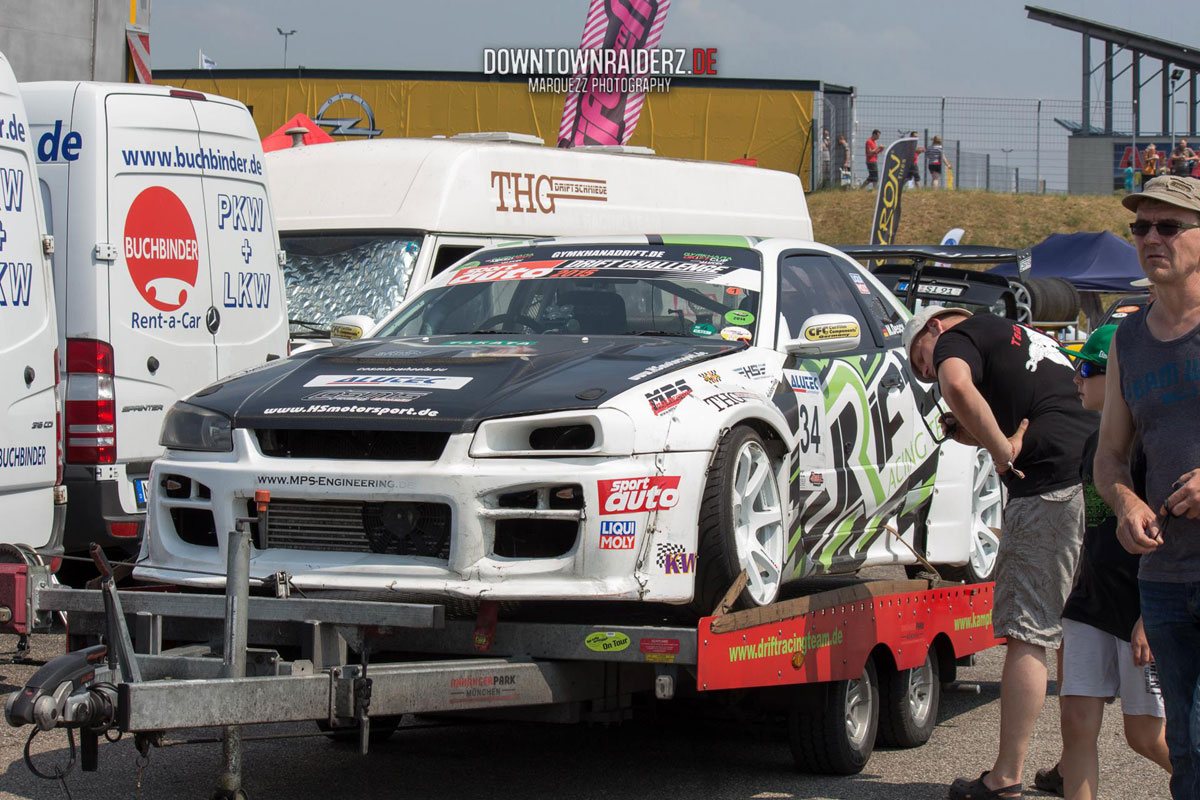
{"type": "Point", "coordinates": [902, 413]}
{"type": "Point", "coordinates": [843, 454]}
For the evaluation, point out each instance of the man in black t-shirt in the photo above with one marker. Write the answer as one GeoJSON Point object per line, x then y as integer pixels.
{"type": "Point", "coordinates": [1010, 391]}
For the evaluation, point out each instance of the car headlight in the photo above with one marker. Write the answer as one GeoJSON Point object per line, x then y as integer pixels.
{"type": "Point", "coordinates": [601, 432]}
{"type": "Point", "coordinates": [189, 427]}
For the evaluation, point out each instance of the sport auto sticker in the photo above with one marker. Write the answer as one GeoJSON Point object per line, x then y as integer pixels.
{"type": "Point", "coordinates": [162, 255]}
{"type": "Point", "coordinates": [633, 495]}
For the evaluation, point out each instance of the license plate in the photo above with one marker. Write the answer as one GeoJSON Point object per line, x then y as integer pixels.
{"type": "Point", "coordinates": [139, 492]}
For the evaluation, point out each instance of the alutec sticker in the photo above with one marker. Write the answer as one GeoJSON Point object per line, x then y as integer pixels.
{"type": "Point", "coordinates": [381, 381]}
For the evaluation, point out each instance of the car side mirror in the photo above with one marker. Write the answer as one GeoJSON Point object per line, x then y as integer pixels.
{"type": "Point", "coordinates": [349, 327]}
{"type": "Point", "coordinates": [824, 334]}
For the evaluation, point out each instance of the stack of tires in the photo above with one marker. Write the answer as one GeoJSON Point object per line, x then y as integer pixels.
{"type": "Point", "coordinates": [1046, 300]}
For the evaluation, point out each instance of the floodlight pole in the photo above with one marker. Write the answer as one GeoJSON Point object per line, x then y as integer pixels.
{"type": "Point", "coordinates": [285, 35]}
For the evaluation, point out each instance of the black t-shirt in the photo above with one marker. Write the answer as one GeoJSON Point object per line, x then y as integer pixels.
{"type": "Point", "coordinates": [1022, 374]}
{"type": "Point", "coordinates": [1106, 587]}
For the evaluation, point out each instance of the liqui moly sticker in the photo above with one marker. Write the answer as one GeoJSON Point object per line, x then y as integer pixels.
{"type": "Point", "coordinates": [504, 272]}
{"type": "Point", "coordinates": [381, 381]}
{"type": "Point", "coordinates": [633, 495]}
{"type": "Point", "coordinates": [618, 534]}
{"type": "Point", "coordinates": [161, 251]}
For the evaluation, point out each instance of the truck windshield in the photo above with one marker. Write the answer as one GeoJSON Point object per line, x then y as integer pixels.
{"type": "Point", "coordinates": [331, 274]}
{"type": "Point", "coordinates": [674, 306]}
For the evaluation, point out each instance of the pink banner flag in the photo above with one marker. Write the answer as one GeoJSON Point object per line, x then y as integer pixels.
{"type": "Point", "coordinates": [596, 116]}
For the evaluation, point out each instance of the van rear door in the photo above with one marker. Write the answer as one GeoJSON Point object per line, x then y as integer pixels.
{"type": "Point", "coordinates": [28, 336]}
{"type": "Point", "coordinates": [247, 282]}
{"type": "Point", "coordinates": [159, 295]}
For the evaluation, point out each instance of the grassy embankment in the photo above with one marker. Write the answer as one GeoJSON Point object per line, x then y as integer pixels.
{"type": "Point", "coordinates": [1000, 220]}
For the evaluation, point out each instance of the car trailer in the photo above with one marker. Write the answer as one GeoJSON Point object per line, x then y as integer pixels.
{"type": "Point", "coordinates": [851, 664]}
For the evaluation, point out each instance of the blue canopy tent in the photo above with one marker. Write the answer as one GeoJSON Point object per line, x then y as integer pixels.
{"type": "Point", "coordinates": [1092, 262]}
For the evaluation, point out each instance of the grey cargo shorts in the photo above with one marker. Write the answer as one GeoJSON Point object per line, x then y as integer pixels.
{"type": "Point", "coordinates": [1035, 565]}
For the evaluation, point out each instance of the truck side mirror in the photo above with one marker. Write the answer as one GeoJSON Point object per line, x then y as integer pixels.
{"type": "Point", "coordinates": [348, 328]}
{"type": "Point", "coordinates": [824, 334]}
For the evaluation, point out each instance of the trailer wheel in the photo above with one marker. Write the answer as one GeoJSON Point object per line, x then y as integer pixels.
{"type": "Point", "coordinates": [839, 738]}
{"type": "Point", "coordinates": [741, 525]}
{"type": "Point", "coordinates": [908, 704]}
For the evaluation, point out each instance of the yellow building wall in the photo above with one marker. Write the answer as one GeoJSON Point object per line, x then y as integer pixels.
{"type": "Point", "coordinates": [714, 124]}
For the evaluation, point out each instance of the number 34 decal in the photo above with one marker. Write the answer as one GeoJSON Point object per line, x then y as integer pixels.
{"type": "Point", "coordinates": [809, 435]}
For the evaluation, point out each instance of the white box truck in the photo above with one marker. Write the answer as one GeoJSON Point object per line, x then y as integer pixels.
{"type": "Point", "coordinates": [166, 273]}
{"type": "Point", "coordinates": [365, 224]}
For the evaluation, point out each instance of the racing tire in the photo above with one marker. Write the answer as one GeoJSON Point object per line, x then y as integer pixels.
{"type": "Point", "coordinates": [839, 737]}
{"type": "Point", "coordinates": [908, 704]}
{"type": "Point", "coordinates": [987, 511]}
{"type": "Point", "coordinates": [741, 525]}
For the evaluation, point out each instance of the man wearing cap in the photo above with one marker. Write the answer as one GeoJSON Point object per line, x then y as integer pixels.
{"type": "Point", "coordinates": [1154, 393]}
{"type": "Point", "coordinates": [1010, 391]}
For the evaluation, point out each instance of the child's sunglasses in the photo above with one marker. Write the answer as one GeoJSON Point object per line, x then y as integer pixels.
{"type": "Point", "coordinates": [1088, 369]}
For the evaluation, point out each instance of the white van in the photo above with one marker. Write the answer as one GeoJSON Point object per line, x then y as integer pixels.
{"type": "Point", "coordinates": [32, 503]}
{"type": "Point", "coordinates": [166, 273]}
{"type": "Point", "coordinates": [365, 224]}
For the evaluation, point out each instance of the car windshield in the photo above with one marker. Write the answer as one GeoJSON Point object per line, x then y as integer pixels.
{"type": "Point", "coordinates": [331, 274]}
{"type": "Point", "coordinates": [536, 293]}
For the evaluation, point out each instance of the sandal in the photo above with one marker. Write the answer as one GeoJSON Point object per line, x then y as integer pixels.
{"type": "Point", "coordinates": [1049, 780]}
{"type": "Point", "coordinates": [963, 789]}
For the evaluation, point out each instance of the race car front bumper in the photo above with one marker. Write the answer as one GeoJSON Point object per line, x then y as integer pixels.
{"type": "Point", "coordinates": [597, 528]}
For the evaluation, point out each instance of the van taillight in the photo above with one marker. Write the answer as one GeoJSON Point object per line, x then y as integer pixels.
{"type": "Point", "coordinates": [58, 427]}
{"type": "Point", "coordinates": [187, 94]}
{"type": "Point", "coordinates": [91, 405]}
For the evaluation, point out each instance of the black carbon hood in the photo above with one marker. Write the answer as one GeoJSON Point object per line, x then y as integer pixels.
{"type": "Point", "coordinates": [447, 383]}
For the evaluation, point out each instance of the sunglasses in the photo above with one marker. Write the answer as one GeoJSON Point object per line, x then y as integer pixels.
{"type": "Point", "coordinates": [1087, 369]}
{"type": "Point", "coordinates": [1165, 228]}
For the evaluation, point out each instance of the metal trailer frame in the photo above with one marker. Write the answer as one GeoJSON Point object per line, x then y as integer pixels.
{"type": "Point", "coordinates": [252, 660]}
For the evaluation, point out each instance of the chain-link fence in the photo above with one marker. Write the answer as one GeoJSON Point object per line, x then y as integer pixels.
{"type": "Point", "coordinates": [1000, 145]}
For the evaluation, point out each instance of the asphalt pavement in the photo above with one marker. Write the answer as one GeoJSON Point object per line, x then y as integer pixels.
{"type": "Point", "coordinates": [662, 758]}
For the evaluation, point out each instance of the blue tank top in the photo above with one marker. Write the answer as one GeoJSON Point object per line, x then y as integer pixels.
{"type": "Point", "coordinates": [1160, 382]}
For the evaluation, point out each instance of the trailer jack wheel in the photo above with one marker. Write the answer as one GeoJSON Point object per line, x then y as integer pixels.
{"type": "Point", "coordinates": [838, 737]}
{"type": "Point", "coordinates": [235, 794]}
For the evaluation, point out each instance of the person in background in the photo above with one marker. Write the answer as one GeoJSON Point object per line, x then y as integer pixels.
{"type": "Point", "coordinates": [1183, 159]}
{"type": "Point", "coordinates": [934, 158]}
{"type": "Point", "coordinates": [1104, 652]}
{"type": "Point", "coordinates": [1150, 163]}
{"type": "Point", "coordinates": [1154, 395]}
{"type": "Point", "coordinates": [1010, 391]}
{"type": "Point", "coordinates": [842, 159]}
{"type": "Point", "coordinates": [873, 149]}
{"type": "Point", "coordinates": [913, 173]}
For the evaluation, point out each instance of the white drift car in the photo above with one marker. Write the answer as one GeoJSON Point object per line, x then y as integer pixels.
{"type": "Point", "coordinates": [629, 420]}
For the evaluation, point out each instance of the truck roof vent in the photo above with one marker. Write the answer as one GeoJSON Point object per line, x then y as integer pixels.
{"type": "Point", "coordinates": [500, 136]}
{"type": "Point", "coordinates": [622, 149]}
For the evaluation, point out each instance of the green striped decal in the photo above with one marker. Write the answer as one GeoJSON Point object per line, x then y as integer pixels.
{"type": "Point", "coordinates": [710, 239]}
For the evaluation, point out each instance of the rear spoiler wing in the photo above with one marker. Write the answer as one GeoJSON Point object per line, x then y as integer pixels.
{"type": "Point", "coordinates": [917, 279]}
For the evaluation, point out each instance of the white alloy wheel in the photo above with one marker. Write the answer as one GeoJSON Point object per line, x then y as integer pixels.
{"type": "Point", "coordinates": [987, 508]}
{"type": "Point", "coordinates": [757, 522]}
{"type": "Point", "coordinates": [920, 691]}
{"type": "Point", "coordinates": [859, 701]}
